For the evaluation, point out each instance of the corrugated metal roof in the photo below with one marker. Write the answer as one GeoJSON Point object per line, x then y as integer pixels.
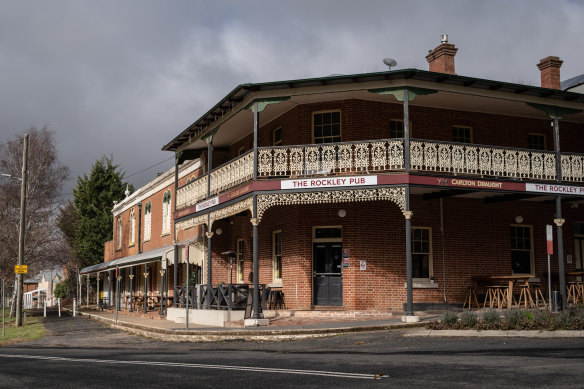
{"type": "Point", "coordinates": [572, 82]}
{"type": "Point", "coordinates": [148, 256]}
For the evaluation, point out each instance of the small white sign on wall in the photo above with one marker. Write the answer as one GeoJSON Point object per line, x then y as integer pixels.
{"type": "Point", "coordinates": [362, 265]}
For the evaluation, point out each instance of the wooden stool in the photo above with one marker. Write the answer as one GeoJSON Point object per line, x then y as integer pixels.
{"type": "Point", "coordinates": [525, 297]}
{"type": "Point", "coordinates": [539, 299]}
{"type": "Point", "coordinates": [496, 295]}
{"type": "Point", "coordinates": [572, 292]}
{"type": "Point", "coordinates": [471, 298]}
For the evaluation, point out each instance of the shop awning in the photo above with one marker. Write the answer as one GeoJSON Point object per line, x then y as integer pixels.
{"type": "Point", "coordinates": [137, 259]}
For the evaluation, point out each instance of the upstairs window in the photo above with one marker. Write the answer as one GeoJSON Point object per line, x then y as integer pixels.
{"type": "Point", "coordinates": [147, 221]}
{"type": "Point", "coordinates": [461, 134]}
{"type": "Point", "coordinates": [326, 127]}
{"type": "Point", "coordinates": [396, 128]}
{"type": "Point", "coordinates": [166, 212]}
{"type": "Point", "coordinates": [132, 227]}
{"type": "Point", "coordinates": [536, 141]}
{"type": "Point", "coordinates": [119, 233]}
{"type": "Point", "coordinates": [277, 137]}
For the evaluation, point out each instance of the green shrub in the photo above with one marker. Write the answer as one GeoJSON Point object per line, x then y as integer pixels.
{"type": "Point", "coordinates": [449, 318]}
{"type": "Point", "coordinates": [61, 290]}
{"type": "Point", "coordinates": [468, 319]}
{"type": "Point", "coordinates": [514, 317]}
{"type": "Point", "coordinates": [541, 319]}
{"type": "Point", "coordinates": [562, 320]}
{"type": "Point", "coordinates": [491, 317]}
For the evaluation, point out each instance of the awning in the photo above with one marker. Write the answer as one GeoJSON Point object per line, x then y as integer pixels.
{"type": "Point", "coordinates": [148, 256]}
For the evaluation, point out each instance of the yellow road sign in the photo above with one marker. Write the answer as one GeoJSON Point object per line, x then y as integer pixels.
{"type": "Point", "coordinates": [20, 269]}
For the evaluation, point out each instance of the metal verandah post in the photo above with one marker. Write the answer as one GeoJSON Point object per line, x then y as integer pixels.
{"type": "Point", "coordinates": [256, 126]}
{"type": "Point", "coordinates": [145, 288]}
{"type": "Point", "coordinates": [87, 292]}
{"type": "Point", "coordinates": [109, 291]}
{"type": "Point", "coordinates": [97, 298]}
{"type": "Point", "coordinates": [409, 292]}
{"type": "Point", "coordinates": [559, 221]}
{"type": "Point", "coordinates": [209, 235]}
{"type": "Point", "coordinates": [131, 289]}
{"type": "Point", "coordinates": [175, 243]}
{"type": "Point", "coordinates": [256, 275]}
{"type": "Point", "coordinates": [406, 130]}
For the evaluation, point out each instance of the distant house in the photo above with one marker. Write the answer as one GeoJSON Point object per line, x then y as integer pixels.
{"type": "Point", "coordinates": [42, 285]}
{"type": "Point", "coordinates": [574, 84]}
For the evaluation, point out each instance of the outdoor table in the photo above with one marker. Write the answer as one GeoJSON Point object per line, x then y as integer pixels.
{"type": "Point", "coordinates": [511, 279]}
{"type": "Point", "coordinates": [578, 292]}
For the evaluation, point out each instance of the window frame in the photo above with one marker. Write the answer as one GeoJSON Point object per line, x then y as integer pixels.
{"type": "Point", "coordinates": [239, 260]}
{"type": "Point", "coordinates": [132, 237]}
{"type": "Point", "coordinates": [542, 135]}
{"type": "Point", "coordinates": [403, 129]}
{"type": "Point", "coordinates": [147, 221]}
{"type": "Point", "coordinates": [430, 255]}
{"type": "Point", "coordinates": [274, 141]}
{"type": "Point", "coordinates": [470, 130]}
{"type": "Point", "coordinates": [166, 212]}
{"type": "Point", "coordinates": [322, 137]}
{"type": "Point", "coordinates": [119, 233]}
{"type": "Point", "coordinates": [276, 256]}
{"type": "Point", "coordinates": [531, 250]}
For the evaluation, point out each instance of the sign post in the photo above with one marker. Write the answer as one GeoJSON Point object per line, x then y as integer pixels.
{"type": "Point", "coordinates": [550, 250]}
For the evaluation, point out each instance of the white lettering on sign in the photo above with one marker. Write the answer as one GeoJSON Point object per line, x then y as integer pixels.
{"type": "Point", "coordinates": [207, 204]}
{"type": "Point", "coordinates": [553, 188]}
{"type": "Point", "coordinates": [329, 182]}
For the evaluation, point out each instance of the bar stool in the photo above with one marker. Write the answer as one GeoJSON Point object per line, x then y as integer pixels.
{"type": "Point", "coordinates": [572, 291]}
{"type": "Point", "coordinates": [539, 299]}
{"type": "Point", "coordinates": [525, 297]}
{"type": "Point", "coordinates": [496, 295]}
{"type": "Point", "coordinates": [471, 298]}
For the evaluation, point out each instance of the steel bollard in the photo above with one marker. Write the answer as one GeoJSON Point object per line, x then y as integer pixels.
{"type": "Point", "coordinates": [556, 301]}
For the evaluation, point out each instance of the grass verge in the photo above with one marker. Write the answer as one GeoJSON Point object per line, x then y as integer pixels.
{"type": "Point", "coordinates": [33, 330]}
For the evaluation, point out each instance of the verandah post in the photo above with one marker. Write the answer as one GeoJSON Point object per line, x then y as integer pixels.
{"type": "Point", "coordinates": [409, 292]}
{"type": "Point", "coordinates": [256, 276]}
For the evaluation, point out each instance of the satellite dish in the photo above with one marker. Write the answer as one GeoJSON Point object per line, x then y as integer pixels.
{"type": "Point", "coordinates": [390, 62]}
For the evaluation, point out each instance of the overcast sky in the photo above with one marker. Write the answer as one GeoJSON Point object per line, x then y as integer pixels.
{"type": "Point", "coordinates": [125, 77]}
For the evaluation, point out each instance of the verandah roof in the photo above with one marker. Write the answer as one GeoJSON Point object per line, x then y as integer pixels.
{"type": "Point", "coordinates": [148, 256]}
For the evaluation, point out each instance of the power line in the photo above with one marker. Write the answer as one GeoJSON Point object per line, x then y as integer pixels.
{"type": "Point", "coordinates": [148, 168]}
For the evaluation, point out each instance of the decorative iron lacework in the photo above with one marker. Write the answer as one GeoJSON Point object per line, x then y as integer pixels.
{"type": "Point", "coordinates": [222, 213]}
{"type": "Point", "coordinates": [396, 195]}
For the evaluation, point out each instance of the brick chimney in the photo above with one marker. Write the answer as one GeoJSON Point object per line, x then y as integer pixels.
{"type": "Point", "coordinates": [550, 72]}
{"type": "Point", "coordinates": [441, 59]}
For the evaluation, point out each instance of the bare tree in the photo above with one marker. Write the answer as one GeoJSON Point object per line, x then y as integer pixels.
{"type": "Point", "coordinates": [44, 243]}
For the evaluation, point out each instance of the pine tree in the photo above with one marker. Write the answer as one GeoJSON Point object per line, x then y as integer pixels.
{"type": "Point", "coordinates": [94, 198]}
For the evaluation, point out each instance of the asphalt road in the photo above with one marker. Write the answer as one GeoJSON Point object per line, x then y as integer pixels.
{"type": "Point", "coordinates": [79, 353]}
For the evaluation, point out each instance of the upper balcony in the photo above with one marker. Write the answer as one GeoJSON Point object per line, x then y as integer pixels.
{"type": "Point", "coordinates": [385, 156]}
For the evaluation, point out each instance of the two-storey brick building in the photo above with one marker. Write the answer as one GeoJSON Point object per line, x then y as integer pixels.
{"type": "Point", "coordinates": [380, 191]}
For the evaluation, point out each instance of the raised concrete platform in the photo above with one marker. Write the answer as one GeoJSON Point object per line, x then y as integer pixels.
{"type": "Point", "coordinates": [256, 322]}
{"type": "Point", "coordinates": [410, 319]}
{"type": "Point", "coordinates": [209, 317]}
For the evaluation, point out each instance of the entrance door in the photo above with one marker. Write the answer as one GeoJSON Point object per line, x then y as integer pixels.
{"type": "Point", "coordinates": [328, 276]}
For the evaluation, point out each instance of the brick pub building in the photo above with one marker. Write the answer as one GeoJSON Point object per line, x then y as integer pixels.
{"type": "Point", "coordinates": [376, 191]}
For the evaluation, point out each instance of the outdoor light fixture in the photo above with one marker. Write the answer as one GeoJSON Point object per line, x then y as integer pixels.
{"type": "Point", "coordinates": [518, 219]}
{"type": "Point", "coordinates": [218, 231]}
{"type": "Point", "coordinates": [342, 213]}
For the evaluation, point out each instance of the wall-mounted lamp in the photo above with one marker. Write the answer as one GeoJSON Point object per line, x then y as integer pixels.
{"type": "Point", "coordinates": [218, 231]}
{"type": "Point", "coordinates": [518, 219]}
{"type": "Point", "coordinates": [342, 213]}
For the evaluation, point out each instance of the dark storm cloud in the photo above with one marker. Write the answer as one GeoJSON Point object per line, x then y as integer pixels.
{"type": "Point", "coordinates": [125, 77]}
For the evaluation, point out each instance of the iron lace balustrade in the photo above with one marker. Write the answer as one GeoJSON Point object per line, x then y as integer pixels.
{"type": "Point", "coordinates": [572, 167]}
{"type": "Point", "coordinates": [482, 160]}
{"type": "Point", "coordinates": [331, 158]}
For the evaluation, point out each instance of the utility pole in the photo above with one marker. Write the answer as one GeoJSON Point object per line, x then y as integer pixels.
{"type": "Point", "coordinates": [19, 276]}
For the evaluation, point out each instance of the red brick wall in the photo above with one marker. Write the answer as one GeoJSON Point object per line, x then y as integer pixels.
{"type": "Point", "coordinates": [362, 120]}
{"type": "Point", "coordinates": [476, 242]}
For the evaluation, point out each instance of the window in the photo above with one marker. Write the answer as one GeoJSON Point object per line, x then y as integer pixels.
{"type": "Point", "coordinates": [536, 141]}
{"type": "Point", "coordinates": [277, 256]}
{"type": "Point", "coordinates": [239, 261]}
{"type": "Point", "coordinates": [579, 244]}
{"type": "Point", "coordinates": [421, 252]}
{"type": "Point", "coordinates": [521, 250]}
{"type": "Point", "coordinates": [396, 129]}
{"type": "Point", "coordinates": [166, 211]}
{"type": "Point", "coordinates": [240, 151]}
{"type": "Point", "coordinates": [147, 221]}
{"type": "Point", "coordinates": [277, 137]}
{"type": "Point", "coordinates": [119, 232]}
{"type": "Point", "coordinates": [461, 134]}
{"type": "Point", "coordinates": [326, 127]}
{"type": "Point", "coordinates": [132, 227]}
